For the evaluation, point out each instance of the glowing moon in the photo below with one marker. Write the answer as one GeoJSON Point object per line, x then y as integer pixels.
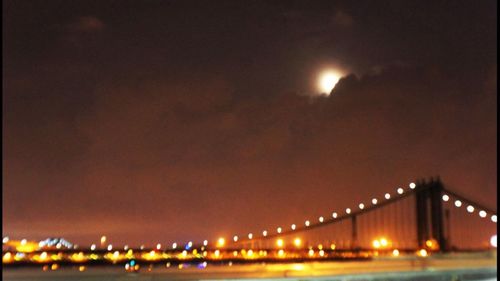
{"type": "Point", "coordinates": [327, 81]}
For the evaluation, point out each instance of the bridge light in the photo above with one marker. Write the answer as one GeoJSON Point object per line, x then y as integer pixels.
{"type": "Point", "coordinates": [278, 229]}
{"type": "Point", "coordinates": [297, 242]}
{"type": "Point", "coordinates": [103, 239]}
{"type": "Point", "coordinates": [220, 242]}
{"type": "Point", "coordinates": [334, 215]}
{"type": "Point", "coordinates": [387, 196]}
{"type": "Point", "coordinates": [412, 185]}
{"type": "Point", "coordinates": [308, 223]}
{"type": "Point", "coordinates": [158, 246]}
{"type": "Point", "coordinates": [446, 198]}
{"type": "Point", "coordinates": [280, 243]}
{"type": "Point", "coordinates": [321, 253]}
{"type": "Point", "coordinates": [458, 203]}
{"type": "Point", "coordinates": [264, 233]}
{"type": "Point", "coordinates": [235, 238]}
{"type": "Point", "coordinates": [190, 244]}
{"type": "Point", "coordinates": [5, 239]}
{"type": "Point", "coordinates": [217, 253]}
{"type": "Point", "coordinates": [395, 252]}
{"type": "Point", "coordinates": [493, 241]}
{"type": "Point", "coordinates": [293, 226]}
{"type": "Point", "coordinates": [321, 219]}
{"type": "Point", "coordinates": [311, 252]}
{"type": "Point", "coordinates": [348, 210]}
{"type": "Point", "coordinates": [250, 235]}
{"type": "Point", "coordinates": [422, 253]}
{"type": "Point", "coordinates": [110, 247]}
{"type": "Point", "coordinates": [205, 242]}
{"type": "Point", "coordinates": [494, 218]}
{"type": "Point", "coordinates": [361, 206]}
{"type": "Point", "coordinates": [400, 190]}
{"type": "Point", "coordinates": [174, 246]}
{"type": "Point", "coordinates": [482, 214]}
{"type": "Point", "coordinates": [470, 209]}
{"type": "Point", "coordinates": [281, 253]}
{"type": "Point", "coordinates": [376, 244]}
{"type": "Point", "coordinates": [374, 201]}
{"type": "Point", "coordinates": [383, 242]}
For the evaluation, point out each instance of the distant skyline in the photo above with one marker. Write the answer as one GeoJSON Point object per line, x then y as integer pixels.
{"type": "Point", "coordinates": [189, 120]}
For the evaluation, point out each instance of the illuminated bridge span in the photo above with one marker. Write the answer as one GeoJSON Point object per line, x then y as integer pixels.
{"type": "Point", "coordinates": [425, 215]}
{"type": "Point", "coordinates": [422, 218]}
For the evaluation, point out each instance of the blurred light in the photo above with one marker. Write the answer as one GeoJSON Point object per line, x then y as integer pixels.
{"type": "Point", "coordinates": [103, 239]}
{"type": "Point", "coordinates": [307, 223]}
{"type": "Point", "coordinates": [205, 242]}
{"type": "Point", "coordinates": [494, 218]}
{"type": "Point", "coordinates": [281, 253]}
{"type": "Point", "coordinates": [280, 243]}
{"type": "Point", "coordinates": [235, 253]}
{"type": "Point", "coordinates": [320, 247]}
{"type": "Point", "coordinates": [141, 247]}
{"type": "Point", "coordinates": [250, 253]}
{"type": "Point", "coordinates": [376, 244]}
{"type": "Point", "coordinates": [400, 190]}
{"type": "Point", "coordinates": [221, 241]}
{"type": "Point", "coordinates": [361, 206]}
{"type": "Point", "coordinates": [493, 241]}
{"type": "Point", "coordinates": [333, 246]}
{"type": "Point", "coordinates": [293, 226]}
{"type": "Point", "coordinates": [387, 196]}
{"type": "Point", "coordinates": [125, 247]}
{"type": "Point", "coordinates": [264, 233]}
{"type": "Point", "coordinates": [470, 209]}
{"type": "Point", "coordinates": [412, 185]}
{"type": "Point", "coordinates": [334, 215]}
{"type": "Point", "coordinates": [174, 246]}
{"type": "Point", "coordinates": [250, 235]}
{"type": "Point", "coordinates": [190, 244]}
{"type": "Point", "coordinates": [311, 252]}
{"type": "Point", "coordinates": [110, 247]}
{"type": "Point", "coordinates": [348, 210]}
{"type": "Point", "coordinates": [278, 229]}
{"type": "Point", "coordinates": [23, 242]}
{"type": "Point", "coordinates": [383, 242]}
{"type": "Point", "coordinates": [321, 253]}
{"type": "Point", "coordinates": [395, 252]}
{"type": "Point", "coordinates": [54, 266]}
{"type": "Point", "coordinates": [321, 219]}
{"type": "Point", "coordinates": [482, 214]}
{"type": "Point", "coordinates": [5, 239]}
{"type": "Point", "coordinates": [7, 257]}
{"type": "Point", "coordinates": [422, 253]}
{"type": "Point", "coordinates": [158, 246]}
{"type": "Point", "coordinates": [374, 201]}
{"type": "Point", "coordinates": [446, 198]}
{"type": "Point", "coordinates": [81, 268]}
{"type": "Point", "coordinates": [235, 238]}
{"type": "Point", "coordinates": [297, 242]}
{"type": "Point", "coordinates": [458, 203]}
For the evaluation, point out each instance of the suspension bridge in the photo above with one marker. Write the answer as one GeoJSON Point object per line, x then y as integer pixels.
{"type": "Point", "coordinates": [417, 221]}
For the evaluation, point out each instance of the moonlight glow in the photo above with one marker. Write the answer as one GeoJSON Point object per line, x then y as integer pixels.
{"type": "Point", "coordinates": [327, 81]}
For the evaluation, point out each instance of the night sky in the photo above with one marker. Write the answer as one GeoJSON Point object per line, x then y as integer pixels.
{"type": "Point", "coordinates": [161, 121]}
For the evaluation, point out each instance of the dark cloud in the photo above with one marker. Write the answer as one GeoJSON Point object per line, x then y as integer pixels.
{"type": "Point", "coordinates": [342, 18]}
{"type": "Point", "coordinates": [186, 122]}
{"type": "Point", "coordinates": [87, 24]}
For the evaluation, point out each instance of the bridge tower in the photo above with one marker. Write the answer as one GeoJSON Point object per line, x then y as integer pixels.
{"type": "Point", "coordinates": [429, 212]}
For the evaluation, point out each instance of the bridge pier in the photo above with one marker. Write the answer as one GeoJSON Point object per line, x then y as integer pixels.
{"type": "Point", "coordinates": [428, 204]}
